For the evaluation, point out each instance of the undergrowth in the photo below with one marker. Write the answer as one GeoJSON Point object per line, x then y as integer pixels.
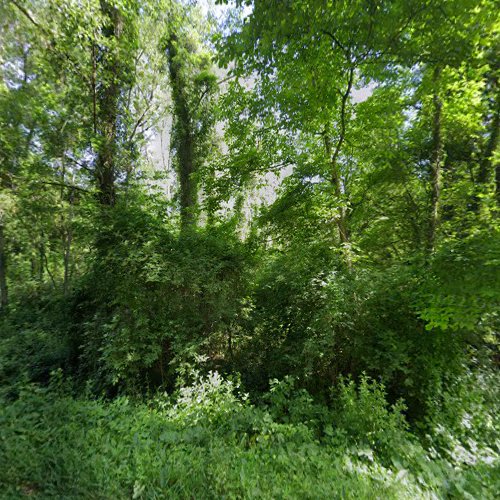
{"type": "Point", "coordinates": [208, 440]}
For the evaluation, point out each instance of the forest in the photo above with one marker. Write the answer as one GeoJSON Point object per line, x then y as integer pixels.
{"type": "Point", "coordinates": [249, 249]}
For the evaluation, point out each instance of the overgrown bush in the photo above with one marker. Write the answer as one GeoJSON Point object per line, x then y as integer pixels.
{"type": "Point", "coordinates": [320, 325]}
{"type": "Point", "coordinates": [153, 297]}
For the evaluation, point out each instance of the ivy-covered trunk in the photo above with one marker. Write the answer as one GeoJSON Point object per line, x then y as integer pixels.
{"type": "Point", "coordinates": [184, 139]}
{"type": "Point", "coordinates": [108, 109]}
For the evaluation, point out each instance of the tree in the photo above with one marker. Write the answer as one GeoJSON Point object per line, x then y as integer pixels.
{"type": "Point", "coordinates": [112, 78]}
{"type": "Point", "coordinates": [309, 60]}
{"type": "Point", "coordinates": [193, 85]}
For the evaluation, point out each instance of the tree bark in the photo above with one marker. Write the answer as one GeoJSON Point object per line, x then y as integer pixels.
{"type": "Point", "coordinates": [436, 161]}
{"type": "Point", "coordinates": [67, 238]}
{"type": "Point", "coordinates": [488, 168]}
{"type": "Point", "coordinates": [341, 218]}
{"type": "Point", "coordinates": [108, 109]}
{"type": "Point", "coordinates": [184, 139]}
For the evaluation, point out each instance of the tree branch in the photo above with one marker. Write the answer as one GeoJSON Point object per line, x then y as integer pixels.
{"type": "Point", "coordinates": [28, 15]}
{"type": "Point", "coordinates": [79, 164]}
{"type": "Point", "coordinates": [140, 121]}
{"type": "Point", "coordinates": [62, 184]}
{"type": "Point", "coordinates": [336, 40]}
{"type": "Point", "coordinates": [343, 107]}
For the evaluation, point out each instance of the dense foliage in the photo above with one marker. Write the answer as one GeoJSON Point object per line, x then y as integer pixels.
{"type": "Point", "coordinates": [249, 249]}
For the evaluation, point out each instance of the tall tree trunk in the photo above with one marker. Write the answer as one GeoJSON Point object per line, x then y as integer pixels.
{"type": "Point", "coordinates": [3, 270]}
{"type": "Point", "coordinates": [336, 178]}
{"type": "Point", "coordinates": [67, 241]}
{"type": "Point", "coordinates": [184, 138]}
{"type": "Point", "coordinates": [341, 218]}
{"type": "Point", "coordinates": [486, 163]}
{"type": "Point", "coordinates": [488, 166]}
{"type": "Point", "coordinates": [437, 158]}
{"type": "Point", "coordinates": [108, 109]}
{"type": "Point", "coordinates": [187, 183]}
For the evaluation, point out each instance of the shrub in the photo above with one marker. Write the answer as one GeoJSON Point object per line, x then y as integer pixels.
{"type": "Point", "coordinates": [153, 297]}
{"type": "Point", "coordinates": [365, 416]}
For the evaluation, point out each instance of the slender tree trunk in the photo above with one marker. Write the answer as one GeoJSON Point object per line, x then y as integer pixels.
{"type": "Point", "coordinates": [94, 86]}
{"type": "Point", "coordinates": [47, 267]}
{"type": "Point", "coordinates": [341, 220]}
{"type": "Point", "coordinates": [230, 348]}
{"type": "Point", "coordinates": [488, 165]}
{"type": "Point", "coordinates": [3, 270]}
{"type": "Point", "coordinates": [67, 262]}
{"type": "Point", "coordinates": [67, 246]}
{"type": "Point", "coordinates": [184, 138]}
{"type": "Point", "coordinates": [436, 163]}
{"type": "Point", "coordinates": [41, 265]}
